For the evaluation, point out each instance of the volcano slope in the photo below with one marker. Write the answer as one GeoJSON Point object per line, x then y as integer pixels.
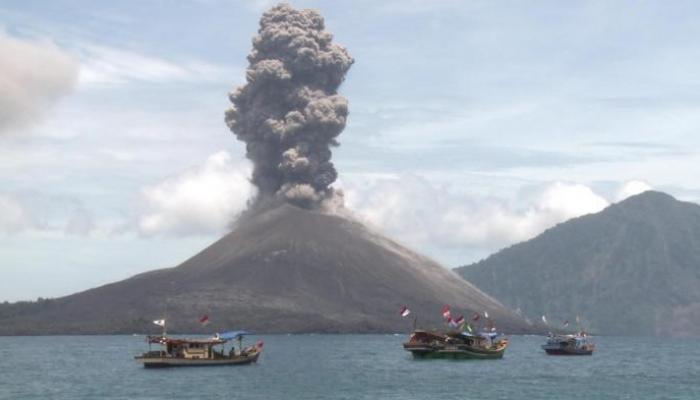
{"type": "Point", "coordinates": [284, 269]}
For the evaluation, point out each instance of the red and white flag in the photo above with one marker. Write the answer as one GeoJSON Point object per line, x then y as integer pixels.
{"type": "Point", "coordinates": [446, 312]}
{"type": "Point", "coordinates": [404, 311]}
{"type": "Point", "coordinates": [451, 322]}
{"type": "Point", "coordinates": [476, 317]}
{"type": "Point", "coordinates": [459, 321]}
{"type": "Point", "coordinates": [260, 344]}
{"type": "Point", "coordinates": [204, 319]}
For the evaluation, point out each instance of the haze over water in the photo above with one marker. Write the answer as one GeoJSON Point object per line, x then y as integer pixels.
{"type": "Point", "coordinates": [349, 367]}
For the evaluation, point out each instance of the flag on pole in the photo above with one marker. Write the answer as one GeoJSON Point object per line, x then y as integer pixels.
{"type": "Point", "coordinates": [159, 322]}
{"type": "Point", "coordinates": [204, 319]}
{"type": "Point", "coordinates": [469, 328]}
{"type": "Point", "coordinates": [260, 344]}
{"type": "Point", "coordinates": [476, 317]}
{"type": "Point", "coordinates": [404, 311]}
{"type": "Point", "coordinates": [459, 321]}
{"type": "Point", "coordinates": [446, 312]}
{"type": "Point", "coordinates": [566, 323]}
{"type": "Point", "coordinates": [544, 319]}
{"type": "Point", "coordinates": [486, 314]}
{"type": "Point", "coordinates": [453, 323]}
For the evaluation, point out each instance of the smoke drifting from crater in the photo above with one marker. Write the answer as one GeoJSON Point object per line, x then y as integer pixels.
{"type": "Point", "coordinates": [289, 113]}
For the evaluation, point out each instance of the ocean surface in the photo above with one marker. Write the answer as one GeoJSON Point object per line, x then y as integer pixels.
{"type": "Point", "coordinates": [350, 367]}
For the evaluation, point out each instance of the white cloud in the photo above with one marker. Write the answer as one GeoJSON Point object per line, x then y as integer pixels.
{"type": "Point", "coordinates": [33, 75]}
{"type": "Point", "coordinates": [423, 215]}
{"type": "Point", "coordinates": [201, 200]}
{"type": "Point", "coordinates": [39, 214]}
{"type": "Point", "coordinates": [631, 188]}
{"type": "Point", "coordinates": [13, 215]}
{"type": "Point", "coordinates": [108, 67]}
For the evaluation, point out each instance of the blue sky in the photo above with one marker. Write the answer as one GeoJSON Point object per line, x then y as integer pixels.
{"type": "Point", "coordinates": [473, 125]}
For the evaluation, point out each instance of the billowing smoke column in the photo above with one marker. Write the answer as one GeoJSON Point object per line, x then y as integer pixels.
{"type": "Point", "coordinates": [289, 113]}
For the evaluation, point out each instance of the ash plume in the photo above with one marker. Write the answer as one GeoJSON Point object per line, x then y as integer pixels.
{"type": "Point", "coordinates": [289, 113]}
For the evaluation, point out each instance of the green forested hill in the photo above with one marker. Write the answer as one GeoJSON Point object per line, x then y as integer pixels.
{"type": "Point", "coordinates": [633, 268]}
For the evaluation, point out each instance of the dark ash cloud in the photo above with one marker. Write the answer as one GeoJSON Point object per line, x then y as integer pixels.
{"type": "Point", "coordinates": [289, 113]}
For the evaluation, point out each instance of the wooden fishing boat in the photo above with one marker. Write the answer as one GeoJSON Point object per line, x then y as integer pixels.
{"type": "Point", "coordinates": [456, 345]}
{"type": "Point", "coordinates": [578, 344]}
{"type": "Point", "coordinates": [183, 352]}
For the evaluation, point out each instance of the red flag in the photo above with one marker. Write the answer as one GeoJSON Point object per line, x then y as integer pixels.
{"type": "Point", "coordinates": [204, 319]}
{"type": "Point", "coordinates": [446, 312]}
{"type": "Point", "coordinates": [476, 317]}
{"type": "Point", "coordinates": [260, 344]}
{"type": "Point", "coordinates": [459, 320]}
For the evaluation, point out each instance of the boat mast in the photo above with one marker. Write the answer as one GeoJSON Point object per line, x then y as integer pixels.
{"type": "Point", "coordinates": [165, 318]}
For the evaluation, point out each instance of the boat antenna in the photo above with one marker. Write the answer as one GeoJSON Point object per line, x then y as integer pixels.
{"type": "Point", "coordinates": [165, 318]}
{"type": "Point", "coordinates": [578, 322]}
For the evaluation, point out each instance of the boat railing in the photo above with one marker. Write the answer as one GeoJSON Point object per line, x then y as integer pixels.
{"type": "Point", "coordinates": [155, 354]}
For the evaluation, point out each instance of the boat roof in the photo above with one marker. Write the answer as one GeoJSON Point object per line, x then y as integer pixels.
{"type": "Point", "coordinates": [481, 334]}
{"type": "Point", "coordinates": [231, 335]}
{"type": "Point", "coordinates": [218, 338]}
{"type": "Point", "coordinates": [170, 340]}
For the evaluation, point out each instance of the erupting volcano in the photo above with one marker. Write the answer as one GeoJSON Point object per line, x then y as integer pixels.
{"type": "Point", "coordinates": [292, 262]}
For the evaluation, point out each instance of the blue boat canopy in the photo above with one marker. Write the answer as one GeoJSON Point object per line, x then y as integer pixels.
{"type": "Point", "coordinates": [232, 335]}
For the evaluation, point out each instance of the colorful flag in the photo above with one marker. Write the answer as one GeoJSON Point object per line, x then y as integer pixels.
{"type": "Point", "coordinates": [452, 322]}
{"type": "Point", "coordinates": [404, 311]}
{"type": "Point", "coordinates": [159, 322]}
{"type": "Point", "coordinates": [544, 319]}
{"type": "Point", "coordinates": [469, 328]}
{"type": "Point", "coordinates": [260, 344]}
{"type": "Point", "coordinates": [204, 319]}
{"type": "Point", "coordinates": [459, 321]}
{"type": "Point", "coordinates": [476, 317]}
{"type": "Point", "coordinates": [446, 312]}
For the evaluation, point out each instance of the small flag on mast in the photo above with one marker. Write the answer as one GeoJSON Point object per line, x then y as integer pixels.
{"type": "Point", "coordinates": [204, 319]}
{"type": "Point", "coordinates": [459, 321]}
{"type": "Point", "coordinates": [159, 322]}
{"type": "Point", "coordinates": [446, 312]}
{"type": "Point", "coordinates": [544, 319]}
{"type": "Point", "coordinates": [404, 311]}
{"type": "Point", "coordinates": [486, 314]}
{"type": "Point", "coordinates": [476, 317]}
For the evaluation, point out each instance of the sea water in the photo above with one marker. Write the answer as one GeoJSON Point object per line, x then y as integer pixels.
{"type": "Point", "coordinates": [350, 367]}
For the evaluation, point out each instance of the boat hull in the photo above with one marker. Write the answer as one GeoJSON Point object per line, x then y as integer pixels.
{"type": "Point", "coordinates": [461, 353]}
{"type": "Point", "coordinates": [167, 362]}
{"type": "Point", "coordinates": [568, 352]}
